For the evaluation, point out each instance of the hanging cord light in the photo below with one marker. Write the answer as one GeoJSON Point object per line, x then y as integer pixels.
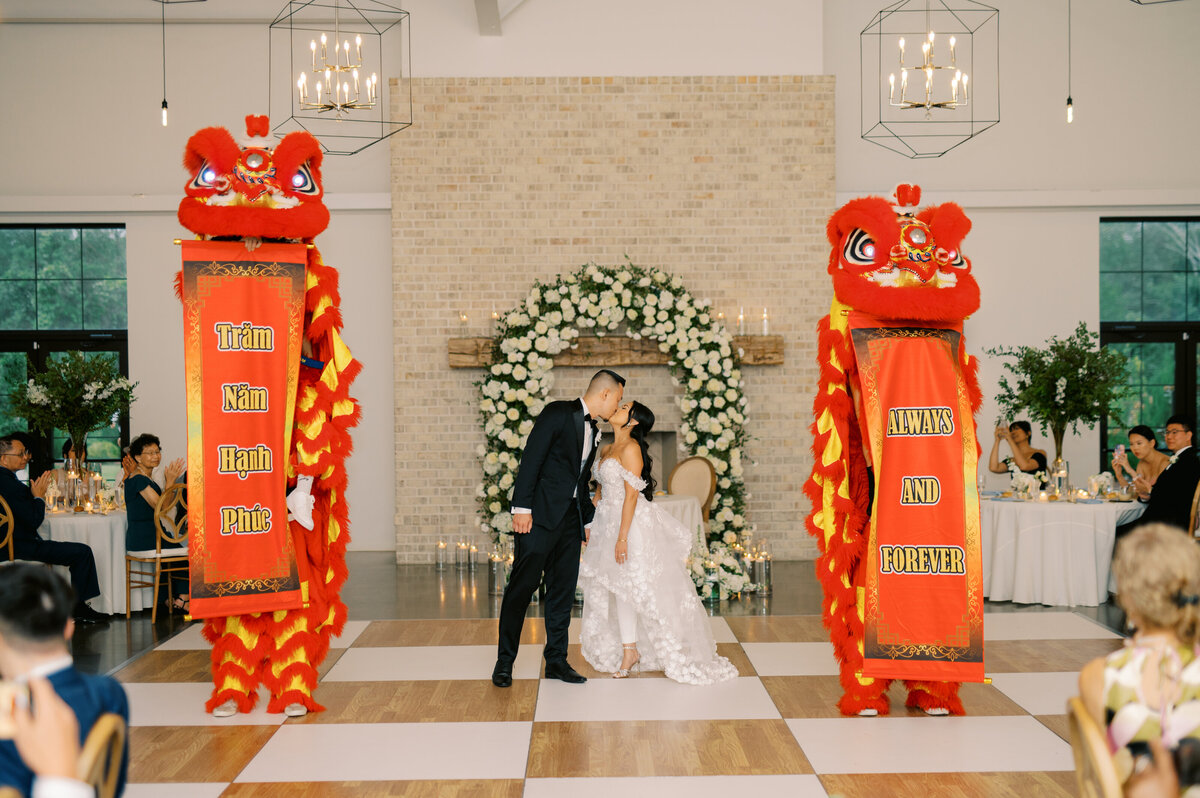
{"type": "Point", "coordinates": [164, 62]}
{"type": "Point", "coordinates": [1070, 107]}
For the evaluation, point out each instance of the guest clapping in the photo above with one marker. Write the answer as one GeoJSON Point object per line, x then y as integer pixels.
{"type": "Point", "coordinates": [1151, 462]}
{"type": "Point", "coordinates": [1150, 689]}
{"type": "Point", "coordinates": [141, 497]}
{"type": "Point", "coordinates": [1028, 459]}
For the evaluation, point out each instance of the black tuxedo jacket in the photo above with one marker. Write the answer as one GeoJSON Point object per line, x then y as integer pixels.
{"type": "Point", "coordinates": [28, 511]}
{"type": "Point", "coordinates": [1171, 499]}
{"type": "Point", "coordinates": [550, 472]}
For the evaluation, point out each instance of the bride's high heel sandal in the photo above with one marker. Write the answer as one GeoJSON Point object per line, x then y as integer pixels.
{"type": "Point", "coordinates": [623, 673]}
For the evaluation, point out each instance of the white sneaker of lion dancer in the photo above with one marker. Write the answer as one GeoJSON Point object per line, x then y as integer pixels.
{"type": "Point", "coordinates": [226, 710]}
{"type": "Point", "coordinates": [296, 710]}
{"type": "Point", "coordinates": [300, 502]}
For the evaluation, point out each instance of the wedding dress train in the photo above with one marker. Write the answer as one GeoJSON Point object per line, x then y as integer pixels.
{"type": "Point", "coordinates": [674, 634]}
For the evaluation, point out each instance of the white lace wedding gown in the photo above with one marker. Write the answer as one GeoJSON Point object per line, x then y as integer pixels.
{"type": "Point", "coordinates": [674, 634]}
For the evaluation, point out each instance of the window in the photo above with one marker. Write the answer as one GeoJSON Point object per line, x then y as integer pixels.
{"type": "Point", "coordinates": [1150, 311]}
{"type": "Point", "coordinates": [62, 288]}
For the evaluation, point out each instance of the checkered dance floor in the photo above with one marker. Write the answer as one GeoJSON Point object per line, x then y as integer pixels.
{"type": "Point", "coordinates": [412, 711]}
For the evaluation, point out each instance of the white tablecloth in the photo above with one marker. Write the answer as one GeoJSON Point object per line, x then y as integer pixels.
{"type": "Point", "coordinates": [686, 509]}
{"type": "Point", "coordinates": [106, 535]}
{"type": "Point", "coordinates": [1053, 553]}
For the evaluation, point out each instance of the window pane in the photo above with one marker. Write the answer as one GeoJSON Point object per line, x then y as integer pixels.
{"type": "Point", "coordinates": [1121, 296]}
{"type": "Point", "coordinates": [1165, 297]}
{"type": "Point", "coordinates": [103, 252]}
{"type": "Point", "coordinates": [1164, 246]}
{"type": "Point", "coordinates": [1157, 363]}
{"type": "Point", "coordinates": [59, 306]}
{"type": "Point", "coordinates": [12, 371]}
{"type": "Point", "coordinates": [16, 253]}
{"type": "Point", "coordinates": [1120, 246]}
{"type": "Point", "coordinates": [58, 253]}
{"type": "Point", "coordinates": [1193, 247]}
{"type": "Point", "coordinates": [104, 305]}
{"type": "Point", "coordinates": [17, 298]}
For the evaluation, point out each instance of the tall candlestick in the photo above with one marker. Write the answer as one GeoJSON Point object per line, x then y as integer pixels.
{"type": "Point", "coordinates": [741, 328]}
{"type": "Point", "coordinates": [892, 87]}
{"type": "Point", "coordinates": [766, 323]}
{"type": "Point", "coordinates": [312, 45]}
{"type": "Point", "coordinates": [324, 52]}
{"type": "Point", "coordinates": [952, 62]}
{"type": "Point", "coordinates": [902, 53]}
{"type": "Point", "coordinates": [358, 48]}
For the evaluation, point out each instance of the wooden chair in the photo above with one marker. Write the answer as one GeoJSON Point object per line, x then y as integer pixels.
{"type": "Point", "coordinates": [8, 526]}
{"type": "Point", "coordinates": [100, 759]}
{"type": "Point", "coordinates": [1094, 769]}
{"type": "Point", "coordinates": [169, 555]}
{"type": "Point", "coordinates": [695, 476]}
{"type": "Point", "coordinates": [1192, 518]}
{"type": "Point", "coordinates": [10, 792]}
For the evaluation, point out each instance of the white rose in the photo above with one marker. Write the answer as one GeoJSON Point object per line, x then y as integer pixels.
{"type": "Point", "coordinates": [493, 490]}
{"type": "Point", "coordinates": [513, 414]}
{"type": "Point", "coordinates": [494, 507]}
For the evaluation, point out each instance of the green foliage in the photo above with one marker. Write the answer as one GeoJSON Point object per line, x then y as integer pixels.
{"type": "Point", "coordinates": [78, 393]}
{"type": "Point", "coordinates": [1071, 381]}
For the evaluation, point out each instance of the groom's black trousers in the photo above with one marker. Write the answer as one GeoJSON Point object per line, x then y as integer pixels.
{"type": "Point", "coordinates": [554, 552]}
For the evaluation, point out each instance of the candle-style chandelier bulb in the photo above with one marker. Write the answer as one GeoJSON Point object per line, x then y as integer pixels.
{"type": "Point", "coordinates": [1070, 111]}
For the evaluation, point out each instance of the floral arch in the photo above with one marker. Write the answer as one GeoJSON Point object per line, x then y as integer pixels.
{"type": "Point", "coordinates": [639, 303]}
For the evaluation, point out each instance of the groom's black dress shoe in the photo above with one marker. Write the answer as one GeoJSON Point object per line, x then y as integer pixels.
{"type": "Point", "coordinates": [502, 674]}
{"type": "Point", "coordinates": [564, 672]}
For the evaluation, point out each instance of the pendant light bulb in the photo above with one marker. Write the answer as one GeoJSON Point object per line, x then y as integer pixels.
{"type": "Point", "coordinates": [164, 110]}
{"type": "Point", "coordinates": [1070, 111]}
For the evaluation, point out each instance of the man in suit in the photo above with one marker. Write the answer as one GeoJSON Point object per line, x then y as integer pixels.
{"type": "Point", "coordinates": [551, 510]}
{"type": "Point", "coordinates": [1171, 498]}
{"type": "Point", "coordinates": [35, 625]}
{"type": "Point", "coordinates": [28, 506]}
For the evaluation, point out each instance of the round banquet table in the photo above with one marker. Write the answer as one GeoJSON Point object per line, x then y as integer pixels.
{"type": "Point", "coordinates": [686, 509]}
{"type": "Point", "coordinates": [106, 535]}
{"type": "Point", "coordinates": [1053, 553]}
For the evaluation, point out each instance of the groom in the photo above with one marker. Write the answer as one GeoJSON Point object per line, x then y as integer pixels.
{"type": "Point", "coordinates": [551, 510]}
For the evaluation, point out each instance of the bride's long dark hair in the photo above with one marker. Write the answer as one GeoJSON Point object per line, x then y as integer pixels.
{"type": "Point", "coordinates": [645, 422]}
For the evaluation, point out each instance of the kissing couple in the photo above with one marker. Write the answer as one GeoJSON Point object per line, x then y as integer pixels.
{"type": "Point", "coordinates": [634, 577]}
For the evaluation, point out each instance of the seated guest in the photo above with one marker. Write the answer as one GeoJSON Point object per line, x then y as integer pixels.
{"type": "Point", "coordinates": [141, 497]}
{"type": "Point", "coordinates": [28, 506]}
{"type": "Point", "coordinates": [35, 625]}
{"type": "Point", "coordinates": [1150, 689]}
{"type": "Point", "coordinates": [47, 738]}
{"type": "Point", "coordinates": [35, 465]}
{"type": "Point", "coordinates": [1151, 462]}
{"type": "Point", "coordinates": [1028, 459]}
{"type": "Point", "coordinates": [1171, 500]}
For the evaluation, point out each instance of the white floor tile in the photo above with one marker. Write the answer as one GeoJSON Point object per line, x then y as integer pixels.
{"type": "Point", "coordinates": [1041, 626]}
{"type": "Point", "coordinates": [208, 790]}
{"type": "Point", "coordinates": [930, 745]}
{"type": "Point", "coordinates": [792, 659]}
{"type": "Point", "coordinates": [182, 704]}
{"type": "Point", "coordinates": [721, 631]}
{"type": "Point", "coordinates": [605, 699]}
{"type": "Point", "coordinates": [392, 752]}
{"type": "Point", "coordinates": [1038, 693]}
{"type": "Point", "coordinates": [191, 637]}
{"type": "Point", "coordinates": [678, 787]}
{"type": "Point", "coordinates": [429, 662]}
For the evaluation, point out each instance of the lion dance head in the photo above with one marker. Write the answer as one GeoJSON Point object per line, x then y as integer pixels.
{"type": "Point", "coordinates": [253, 189]}
{"type": "Point", "coordinates": [900, 263]}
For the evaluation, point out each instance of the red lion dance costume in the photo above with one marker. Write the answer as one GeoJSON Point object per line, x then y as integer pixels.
{"type": "Point", "coordinates": [896, 274]}
{"type": "Point", "coordinates": [255, 193]}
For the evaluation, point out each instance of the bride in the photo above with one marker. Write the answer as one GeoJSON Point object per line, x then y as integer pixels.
{"type": "Point", "coordinates": [636, 588]}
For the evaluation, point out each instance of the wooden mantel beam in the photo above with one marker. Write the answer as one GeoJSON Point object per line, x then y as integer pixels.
{"type": "Point", "coordinates": [616, 350]}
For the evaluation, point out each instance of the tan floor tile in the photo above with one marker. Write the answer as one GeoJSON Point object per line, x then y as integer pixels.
{"type": "Point", "coordinates": [190, 665]}
{"type": "Point", "coordinates": [478, 701]}
{"type": "Point", "coordinates": [458, 632]}
{"type": "Point", "coordinates": [1057, 724]}
{"type": "Point", "coordinates": [778, 629]}
{"type": "Point", "coordinates": [1033, 656]}
{"type": "Point", "coordinates": [664, 748]}
{"type": "Point", "coordinates": [1056, 784]}
{"type": "Point", "coordinates": [817, 697]}
{"type": "Point", "coordinates": [481, 788]}
{"type": "Point", "coordinates": [193, 753]}
{"type": "Point", "coordinates": [733, 651]}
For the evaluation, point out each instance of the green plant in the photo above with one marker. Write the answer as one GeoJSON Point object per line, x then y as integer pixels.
{"type": "Point", "coordinates": [1071, 381]}
{"type": "Point", "coordinates": [77, 393]}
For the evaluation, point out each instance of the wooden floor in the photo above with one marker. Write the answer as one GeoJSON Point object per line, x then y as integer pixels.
{"type": "Point", "coordinates": [411, 712]}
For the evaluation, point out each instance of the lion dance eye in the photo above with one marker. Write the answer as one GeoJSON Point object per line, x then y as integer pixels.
{"type": "Point", "coordinates": [302, 181]}
{"type": "Point", "coordinates": [859, 249]}
{"type": "Point", "coordinates": [954, 259]}
{"type": "Point", "coordinates": [206, 177]}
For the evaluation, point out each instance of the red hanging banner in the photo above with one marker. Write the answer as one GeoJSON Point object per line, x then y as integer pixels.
{"type": "Point", "coordinates": [242, 312]}
{"type": "Point", "coordinates": [923, 614]}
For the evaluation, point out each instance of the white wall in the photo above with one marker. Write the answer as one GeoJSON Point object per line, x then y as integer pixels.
{"type": "Point", "coordinates": [1034, 187]}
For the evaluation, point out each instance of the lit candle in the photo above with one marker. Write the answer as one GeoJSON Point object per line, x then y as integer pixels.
{"type": "Point", "coordinates": [925, 53]}
{"type": "Point", "coordinates": [903, 83]}
{"type": "Point", "coordinates": [951, 51]}
{"type": "Point", "coordinates": [901, 53]}
{"type": "Point", "coordinates": [766, 323]}
{"type": "Point", "coordinates": [928, 82]}
{"type": "Point", "coordinates": [741, 330]}
{"type": "Point", "coordinates": [374, 85]}
{"type": "Point", "coordinates": [1042, 496]}
{"type": "Point", "coordinates": [720, 317]}
{"type": "Point", "coordinates": [346, 92]}
{"type": "Point", "coordinates": [318, 91]}
{"type": "Point", "coordinates": [892, 87]}
{"type": "Point", "coordinates": [312, 45]}
{"type": "Point", "coordinates": [462, 317]}
{"type": "Point", "coordinates": [324, 52]}
{"type": "Point", "coordinates": [300, 89]}
{"type": "Point", "coordinates": [355, 73]}
{"type": "Point", "coordinates": [346, 51]}
{"type": "Point", "coordinates": [328, 84]}
{"type": "Point", "coordinates": [965, 92]}
{"type": "Point", "coordinates": [337, 61]}
{"type": "Point", "coordinates": [358, 48]}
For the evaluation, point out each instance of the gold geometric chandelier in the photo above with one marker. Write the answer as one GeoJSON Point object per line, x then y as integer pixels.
{"type": "Point", "coordinates": [336, 92]}
{"type": "Point", "coordinates": [926, 97]}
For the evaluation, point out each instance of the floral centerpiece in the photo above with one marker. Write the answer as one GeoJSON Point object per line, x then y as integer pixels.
{"type": "Point", "coordinates": [1021, 482]}
{"type": "Point", "coordinates": [639, 303]}
{"type": "Point", "coordinates": [1071, 381]}
{"type": "Point", "coordinates": [77, 393]}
